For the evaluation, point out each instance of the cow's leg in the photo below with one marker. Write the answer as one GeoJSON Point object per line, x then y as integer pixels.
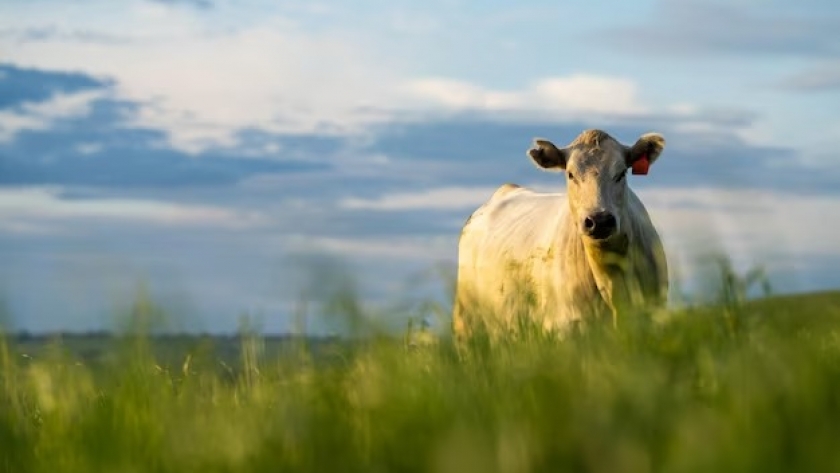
{"type": "Point", "coordinates": [458, 318]}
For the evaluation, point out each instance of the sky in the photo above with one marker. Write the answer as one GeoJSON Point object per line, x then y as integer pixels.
{"type": "Point", "coordinates": [235, 158]}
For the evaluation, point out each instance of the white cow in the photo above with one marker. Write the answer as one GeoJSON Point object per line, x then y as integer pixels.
{"type": "Point", "coordinates": [558, 258]}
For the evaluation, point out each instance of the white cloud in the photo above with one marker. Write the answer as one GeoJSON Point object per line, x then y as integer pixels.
{"type": "Point", "coordinates": [778, 231]}
{"type": "Point", "coordinates": [446, 198]}
{"type": "Point", "coordinates": [12, 123]}
{"type": "Point", "coordinates": [89, 148]}
{"type": "Point", "coordinates": [753, 227]}
{"type": "Point", "coordinates": [396, 248]}
{"type": "Point", "coordinates": [203, 85]}
{"type": "Point", "coordinates": [36, 210]}
{"type": "Point", "coordinates": [41, 115]}
{"type": "Point", "coordinates": [575, 93]}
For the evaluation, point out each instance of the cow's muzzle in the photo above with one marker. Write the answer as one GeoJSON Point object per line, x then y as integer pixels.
{"type": "Point", "coordinates": [600, 225]}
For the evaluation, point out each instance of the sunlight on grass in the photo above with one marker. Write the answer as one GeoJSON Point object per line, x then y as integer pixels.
{"type": "Point", "coordinates": [737, 386]}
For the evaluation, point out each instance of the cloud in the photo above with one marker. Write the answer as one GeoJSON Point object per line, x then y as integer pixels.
{"type": "Point", "coordinates": [679, 28]}
{"type": "Point", "coordinates": [200, 4]}
{"type": "Point", "coordinates": [34, 99]}
{"type": "Point", "coordinates": [753, 228]}
{"type": "Point", "coordinates": [574, 93]}
{"type": "Point", "coordinates": [26, 210]}
{"type": "Point", "coordinates": [447, 198]}
{"type": "Point", "coordinates": [35, 34]}
{"type": "Point", "coordinates": [405, 248]}
{"type": "Point", "coordinates": [820, 79]}
{"type": "Point", "coordinates": [87, 139]}
{"type": "Point", "coordinates": [41, 115]}
{"type": "Point", "coordinates": [213, 85]}
{"type": "Point", "coordinates": [749, 221]}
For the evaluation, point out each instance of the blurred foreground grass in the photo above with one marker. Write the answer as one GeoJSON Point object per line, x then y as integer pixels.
{"type": "Point", "coordinates": [737, 387]}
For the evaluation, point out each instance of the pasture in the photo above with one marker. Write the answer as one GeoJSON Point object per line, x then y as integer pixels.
{"type": "Point", "coordinates": [733, 387]}
{"type": "Point", "coordinates": [313, 169]}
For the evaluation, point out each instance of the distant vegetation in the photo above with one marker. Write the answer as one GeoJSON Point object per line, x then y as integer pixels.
{"type": "Point", "coordinates": [738, 385]}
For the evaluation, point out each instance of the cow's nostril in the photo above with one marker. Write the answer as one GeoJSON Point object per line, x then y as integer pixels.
{"type": "Point", "coordinates": [588, 223]}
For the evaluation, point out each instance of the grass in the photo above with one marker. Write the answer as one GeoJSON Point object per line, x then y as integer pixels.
{"type": "Point", "coordinates": [748, 386]}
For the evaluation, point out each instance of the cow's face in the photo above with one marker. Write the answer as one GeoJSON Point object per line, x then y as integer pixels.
{"type": "Point", "coordinates": [596, 167]}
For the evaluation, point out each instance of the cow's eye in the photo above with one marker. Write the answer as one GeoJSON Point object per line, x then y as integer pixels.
{"type": "Point", "coordinates": [621, 176]}
{"type": "Point", "coordinates": [571, 176]}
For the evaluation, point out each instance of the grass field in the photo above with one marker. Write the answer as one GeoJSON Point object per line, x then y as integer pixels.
{"type": "Point", "coordinates": [735, 387]}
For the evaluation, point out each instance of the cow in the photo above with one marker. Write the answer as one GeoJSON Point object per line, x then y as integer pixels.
{"type": "Point", "coordinates": [558, 259]}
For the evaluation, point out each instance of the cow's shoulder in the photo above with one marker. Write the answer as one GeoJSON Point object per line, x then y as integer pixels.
{"type": "Point", "coordinates": [505, 189]}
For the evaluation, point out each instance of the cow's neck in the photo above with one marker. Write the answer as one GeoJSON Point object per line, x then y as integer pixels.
{"type": "Point", "coordinates": [611, 267]}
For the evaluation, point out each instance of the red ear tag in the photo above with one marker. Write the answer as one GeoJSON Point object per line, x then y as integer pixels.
{"type": "Point", "coordinates": [641, 166]}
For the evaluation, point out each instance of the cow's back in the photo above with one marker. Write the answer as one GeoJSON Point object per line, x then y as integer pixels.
{"type": "Point", "coordinates": [513, 224]}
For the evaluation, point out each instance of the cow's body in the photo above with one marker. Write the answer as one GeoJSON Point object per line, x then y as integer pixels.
{"type": "Point", "coordinates": [524, 249]}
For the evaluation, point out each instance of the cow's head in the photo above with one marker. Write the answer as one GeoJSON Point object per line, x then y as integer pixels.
{"type": "Point", "coordinates": [596, 166]}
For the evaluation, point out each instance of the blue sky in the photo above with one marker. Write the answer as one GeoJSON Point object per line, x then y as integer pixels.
{"type": "Point", "coordinates": [204, 148]}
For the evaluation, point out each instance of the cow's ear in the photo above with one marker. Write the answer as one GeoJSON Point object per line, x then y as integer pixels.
{"type": "Point", "coordinates": [547, 156]}
{"type": "Point", "coordinates": [649, 146]}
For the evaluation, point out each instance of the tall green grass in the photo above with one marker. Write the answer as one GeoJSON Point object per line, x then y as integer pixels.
{"type": "Point", "coordinates": [737, 386]}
